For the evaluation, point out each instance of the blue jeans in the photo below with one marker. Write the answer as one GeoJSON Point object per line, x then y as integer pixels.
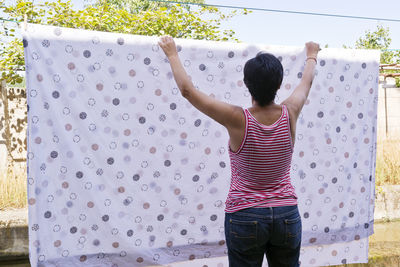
{"type": "Point", "coordinates": [275, 231]}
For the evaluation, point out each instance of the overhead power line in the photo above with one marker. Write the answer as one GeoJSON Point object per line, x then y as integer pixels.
{"type": "Point", "coordinates": [278, 10]}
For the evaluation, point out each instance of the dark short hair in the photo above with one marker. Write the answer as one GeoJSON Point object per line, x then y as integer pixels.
{"type": "Point", "coordinates": [263, 76]}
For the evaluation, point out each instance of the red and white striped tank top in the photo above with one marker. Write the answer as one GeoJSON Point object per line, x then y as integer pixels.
{"type": "Point", "coordinates": [261, 166]}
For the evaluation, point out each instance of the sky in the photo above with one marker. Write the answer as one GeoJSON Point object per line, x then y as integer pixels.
{"type": "Point", "coordinates": [292, 29]}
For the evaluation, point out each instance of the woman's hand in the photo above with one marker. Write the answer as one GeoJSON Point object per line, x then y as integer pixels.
{"type": "Point", "coordinates": [168, 46]}
{"type": "Point", "coordinates": [312, 49]}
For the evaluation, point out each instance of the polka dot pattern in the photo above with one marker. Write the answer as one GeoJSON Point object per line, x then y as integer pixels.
{"type": "Point", "coordinates": [123, 170]}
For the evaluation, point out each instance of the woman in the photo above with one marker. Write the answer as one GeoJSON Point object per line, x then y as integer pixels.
{"type": "Point", "coordinates": [261, 214]}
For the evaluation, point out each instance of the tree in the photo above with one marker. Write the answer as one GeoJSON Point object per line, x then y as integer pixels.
{"type": "Point", "coordinates": [379, 39]}
{"type": "Point", "coordinates": [133, 6]}
{"type": "Point", "coordinates": [141, 17]}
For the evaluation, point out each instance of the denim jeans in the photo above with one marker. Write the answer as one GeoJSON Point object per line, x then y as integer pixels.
{"type": "Point", "coordinates": [274, 231]}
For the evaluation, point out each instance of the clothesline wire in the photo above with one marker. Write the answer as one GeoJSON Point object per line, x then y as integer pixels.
{"type": "Point", "coordinates": [277, 10]}
{"type": "Point", "coordinates": [10, 20]}
{"type": "Point", "coordinates": [266, 10]}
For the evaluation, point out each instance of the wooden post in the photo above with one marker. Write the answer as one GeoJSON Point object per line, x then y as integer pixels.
{"type": "Point", "coordinates": [386, 115]}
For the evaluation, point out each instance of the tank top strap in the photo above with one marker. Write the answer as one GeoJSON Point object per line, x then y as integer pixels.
{"type": "Point", "coordinates": [285, 111]}
{"type": "Point", "coordinates": [285, 116]}
{"type": "Point", "coordinates": [246, 112]}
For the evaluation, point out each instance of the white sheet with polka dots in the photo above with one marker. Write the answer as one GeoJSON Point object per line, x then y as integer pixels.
{"type": "Point", "coordinates": [123, 171]}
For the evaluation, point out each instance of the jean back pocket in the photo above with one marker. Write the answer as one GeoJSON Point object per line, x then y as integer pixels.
{"type": "Point", "coordinates": [293, 231]}
{"type": "Point", "coordinates": [242, 235]}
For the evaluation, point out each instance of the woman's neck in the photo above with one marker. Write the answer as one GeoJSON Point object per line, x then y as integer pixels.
{"type": "Point", "coordinates": [256, 105]}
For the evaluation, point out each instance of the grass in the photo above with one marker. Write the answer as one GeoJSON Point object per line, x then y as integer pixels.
{"type": "Point", "coordinates": [13, 182]}
{"type": "Point", "coordinates": [388, 161]}
{"type": "Point", "coordinates": [13, 187]}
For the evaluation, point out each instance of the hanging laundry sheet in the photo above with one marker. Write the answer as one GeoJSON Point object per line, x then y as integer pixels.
{"type": "Point", "coordinates": [123, 171]}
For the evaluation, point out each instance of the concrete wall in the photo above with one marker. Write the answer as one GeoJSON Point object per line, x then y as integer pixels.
{"type": "Point", "coordinates": [387, 202]}
{"type": "Point", "coordinates": [392, 116]}
{"type": "Point", "coordinates": [14, 241]}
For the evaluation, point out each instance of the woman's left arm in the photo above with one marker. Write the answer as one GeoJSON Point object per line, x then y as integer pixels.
{"type": "Point", "coordinates": [228, 115]}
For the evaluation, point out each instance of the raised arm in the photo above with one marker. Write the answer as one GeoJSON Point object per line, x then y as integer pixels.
{"type": "Point", "coordinates": [296, 100]}
{"type": "Point", "coordinates": [228, 115]}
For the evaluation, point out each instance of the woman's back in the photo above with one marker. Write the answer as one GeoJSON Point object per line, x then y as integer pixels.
{"type": "Point", "coordinates": [261, 165]}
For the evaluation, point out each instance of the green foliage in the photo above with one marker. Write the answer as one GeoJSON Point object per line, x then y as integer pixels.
{"type": "Point", "coordinates": [134, 6]}
{"type": "Point", "coordinates": [123, 16]}
{"type": "Point", "coordinates": [379, 39]}
{"type": "Point", "coordinates": [12, 56]}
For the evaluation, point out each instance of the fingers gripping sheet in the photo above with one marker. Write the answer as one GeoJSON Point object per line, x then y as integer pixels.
{"type": "Point", "coordinates": [123, 171]}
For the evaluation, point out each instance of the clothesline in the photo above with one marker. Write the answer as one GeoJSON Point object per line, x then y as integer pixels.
{"type": "Point", "coordinates": [10, 20]}
{"type": "Point", "coordinates": [278, 10]}
{"type": "Point", "coordinates": [266, 10]}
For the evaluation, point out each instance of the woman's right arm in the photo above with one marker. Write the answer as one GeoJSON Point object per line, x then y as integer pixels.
{"type": "Point", "coordinates": [296, 100]}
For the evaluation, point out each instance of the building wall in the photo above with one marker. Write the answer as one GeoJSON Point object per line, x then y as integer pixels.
{"type": "Point", "coordinates": [389, 117]}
